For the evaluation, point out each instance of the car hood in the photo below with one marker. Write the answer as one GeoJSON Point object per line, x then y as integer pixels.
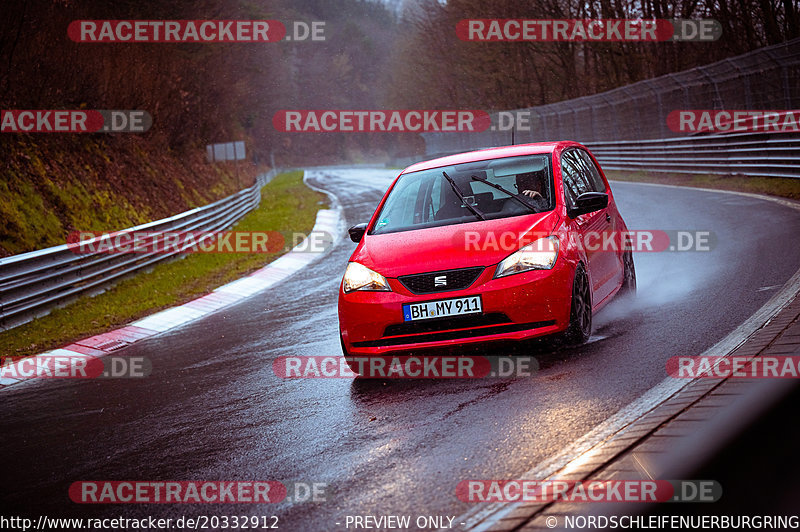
{"type": "Point", "coordinates": [479, 243]}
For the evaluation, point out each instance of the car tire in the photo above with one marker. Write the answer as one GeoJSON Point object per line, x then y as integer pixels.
{"type": "Point", "coordinates": [346, 355]}
{"type": "Point", "coordinates": [628, 275]}
{"type": "Point", "coordinates": [580, 314]}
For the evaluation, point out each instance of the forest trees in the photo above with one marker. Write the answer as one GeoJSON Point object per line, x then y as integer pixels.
{"type": "Point", "coordinates": [371, 58]}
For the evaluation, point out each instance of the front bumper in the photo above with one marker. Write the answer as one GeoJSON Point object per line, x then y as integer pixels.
{"type": "Point", "coordinates": [517, 307]}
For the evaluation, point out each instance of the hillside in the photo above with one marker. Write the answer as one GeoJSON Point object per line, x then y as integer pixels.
{"type": "Point", "coordinates": [53, 184]}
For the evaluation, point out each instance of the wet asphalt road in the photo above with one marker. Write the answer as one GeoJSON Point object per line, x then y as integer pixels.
{"type": "Point", "coordinates": [213, 409]}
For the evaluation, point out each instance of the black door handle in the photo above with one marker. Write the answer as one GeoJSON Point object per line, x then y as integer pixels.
{"type": "Point", "coordinates": [608, 217]}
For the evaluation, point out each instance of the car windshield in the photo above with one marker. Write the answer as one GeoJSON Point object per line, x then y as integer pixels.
{"type": "Point", "coordinates": [491, 189]}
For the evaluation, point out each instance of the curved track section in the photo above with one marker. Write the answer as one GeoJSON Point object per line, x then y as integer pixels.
{"type": "Point", "coordinates": [213, 409]}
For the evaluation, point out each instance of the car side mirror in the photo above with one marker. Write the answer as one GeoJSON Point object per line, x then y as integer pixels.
{"type": "Point", "coordinates": [588, 202]}
{"type": "Point", "coordinates": [357, 232]}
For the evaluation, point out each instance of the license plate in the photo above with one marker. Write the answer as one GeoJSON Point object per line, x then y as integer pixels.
{"type": "Point", "coordinates": [442, 309]}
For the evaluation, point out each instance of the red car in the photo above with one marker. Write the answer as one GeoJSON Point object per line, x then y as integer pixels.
{"type": "Point", "coordinates": [485, 246]}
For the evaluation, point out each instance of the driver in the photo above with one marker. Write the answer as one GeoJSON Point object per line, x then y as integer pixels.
{"type": "Point", "coordinates": [532, 186]}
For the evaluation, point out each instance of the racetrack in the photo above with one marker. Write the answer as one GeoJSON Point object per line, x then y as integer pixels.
{"type": "Point", "coordinates": [213, 408]}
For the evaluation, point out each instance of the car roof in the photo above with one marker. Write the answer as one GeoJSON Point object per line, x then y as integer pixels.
{"type": "Point", "coordinates": [489, 153]}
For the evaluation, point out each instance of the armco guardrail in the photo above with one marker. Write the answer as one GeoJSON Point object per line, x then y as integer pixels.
{"type": "Point", "coordinates": [751, 154]}
{"type": "Point", "coordinates": [31, 284]}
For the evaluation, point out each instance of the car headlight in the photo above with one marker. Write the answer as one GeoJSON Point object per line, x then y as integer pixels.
{"type": "Point", "coordinates": [359, 277]}
{"type": "Point", "coordinates": [538, 255]}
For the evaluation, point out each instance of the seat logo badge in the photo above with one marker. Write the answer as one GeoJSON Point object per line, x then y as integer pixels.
{"type": "Point", "coordinates": [440, 280]}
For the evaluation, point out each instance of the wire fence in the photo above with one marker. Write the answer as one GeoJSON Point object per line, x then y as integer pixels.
{"type": "Point", "coordinates": [765, 79]}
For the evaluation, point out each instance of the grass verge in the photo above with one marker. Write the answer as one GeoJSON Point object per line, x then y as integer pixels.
{"type": "Point", "coordinates": [771, 186]}
{"type": "Point", "coordinates": [287, 205]}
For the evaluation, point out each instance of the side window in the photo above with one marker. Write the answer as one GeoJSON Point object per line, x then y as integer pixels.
{"type": "Point", "coordinates": [580, 175]}
{"type": "Point", "coordinates": [574, 183]}
{"type": "Point", "coordinates": [593, 173]}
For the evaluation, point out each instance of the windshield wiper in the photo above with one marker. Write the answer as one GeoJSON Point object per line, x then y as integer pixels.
{"type": "Point", "coordinates": [463, 198]}
{"type": "Point", "coordinates": [501, 189]}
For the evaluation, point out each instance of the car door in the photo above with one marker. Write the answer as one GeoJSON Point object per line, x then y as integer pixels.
{"type": "Point", "coordinates": [581, 175]}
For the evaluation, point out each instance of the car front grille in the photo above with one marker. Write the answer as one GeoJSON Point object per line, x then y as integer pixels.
{"type": "Point", "coordinates": [442, 281]}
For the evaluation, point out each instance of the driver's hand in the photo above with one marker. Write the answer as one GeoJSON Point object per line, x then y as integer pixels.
{"type": "Point", "coordinates": [532, 194]}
